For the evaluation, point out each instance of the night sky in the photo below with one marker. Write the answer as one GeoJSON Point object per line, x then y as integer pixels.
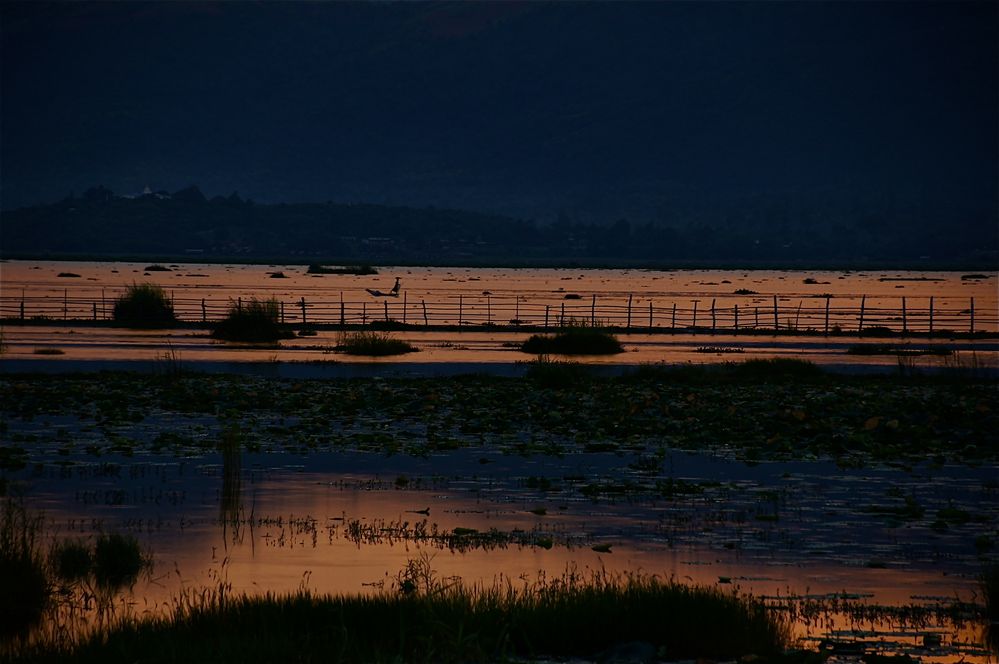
{"type": "Point", "coordinates": [591, 110]}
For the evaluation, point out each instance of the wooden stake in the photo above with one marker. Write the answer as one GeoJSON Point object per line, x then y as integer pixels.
{"type": "Point", "coordinates": [204, 311]}
{"type": "Point", "coordinates": [304, 318]}
{"type": "Point", "coordinates": [827, 315]}
{"type": "Point", "coordinates": [561, 321]}
{"type": "Point", "coordinates": [713, 320]}
{"type": "Point", "coordinates": [776, 321]}
{"type": "Point", "coordinates": [971, 329]}
{"type": "Point", "coordinates": [737, 318]}
{"type": "Point", "coordinates": [385, 302]}
{"type": "Point", "coordinates": [905, 320]}
{"type": "Point", "coordinates": [797, 315]}
{"type": "Point", "coordinates": [426, 320]}
{"type": "Point", "coordinates": [65, 303]}
{"type": "Point", "coordinates": [863, 306]}
{"type": "Point", "coordinates": [628, 325]}
{"type": "Point", "coordinates": [650, 316]}
{"type": "Point", "coordinates": [546, 316]}
{"type": "Point", "coordinates": [343, 317]}
{"type": "Point", "coordinates": [673, 324]}
{"type": "Point", "coordinates": [460, 307]}
{"type": "Point", "coordinates": [931, 314]}
{"type": "Point", "coordinates": [405, 300]}
{"type": "Point", "coordinates": [593, 311]}
{"type": "Point", "coordinates": [693, 324]}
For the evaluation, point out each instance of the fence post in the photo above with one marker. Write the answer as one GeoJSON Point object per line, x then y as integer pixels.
{"type": "Point", "coordinates": [65, 303]}
{"type": "Point", "coordinates": [736, 317]}
{"type": "Point", "coordinates": [827, 316]}
{"type": "Point", "coordinates": [650, 316]}
{"type": "Point", "coordinates": [628, 326]}
{"type": "Point", "coordinates": [204, 311]}
{"type": "Point", "coordinates": [797, 315]}
{"type": "Point", "coordinates": [593, 311]}
{"type": "Point", "coordinates": [931, 314]}
{"type": "Point", "coordinates": [756, 325]}
{"type": "Point", "coordinates": [104, 307]}
{"type": "Point", "coordinates": [546, 316]}
{"type": "Point", "coordinates": [22, 305]}
{"type": "Point", "coordinates": [385, 302]}
{"type": "Point", "coordinates": [971, 329]}
{"type": "Point", "coordinates": [693, 323]}
{"type": "Point", "coordinates": [561, 321]}
{"type": "Point", "coordinates": [405, 305]}
{"type": "Point", "coordinates": [776, 320]}
{"type": "Point", "coordinates": [713, 321]}
{"type": "Point", "coordinates": [489, 310]}
{"type": "Point", "coordinates": [304, 317]}
{"type": "Point", "coordinates": [461, 306]}
{"type": "Point", "coordinates": [95, 311]}
{"type": "Point", "coordinates": [343, 316]}
{"type": "Point", "coordinates": [364, 313]}
{"type": "Point", "coordinates": [426, 321]}
{"type": "Point", "coordinates": [905, 320]}
{"type": "Point", "coordinates": [863, 306]}
{"type": "Point", "coordinates": [516, 312]}
{"type": "Point", "coordinates": [282, 312]}
{"type": "Point", "coordinates": [673, 323]}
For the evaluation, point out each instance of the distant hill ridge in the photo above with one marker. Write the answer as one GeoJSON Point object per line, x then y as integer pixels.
{"type": "Point", "coordinates": [187, 222]}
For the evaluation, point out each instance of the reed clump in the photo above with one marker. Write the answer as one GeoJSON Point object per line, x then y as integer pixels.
{"type": "Point", "coordinates": [24, 586]}
{"type": "Point", "coordinates": [372, 344]}
{"type": "Point", "coordinates": [574, 340]}
{"type": "Point", "coordinates": [253, 321]}
{"type": "Point", "coordinates": [144, 306]}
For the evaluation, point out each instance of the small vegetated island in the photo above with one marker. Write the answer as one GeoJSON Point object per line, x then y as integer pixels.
{"type": "Point", "coordinates": [253, 321]}
{"type": "Point", "coordinates": [574, 339]}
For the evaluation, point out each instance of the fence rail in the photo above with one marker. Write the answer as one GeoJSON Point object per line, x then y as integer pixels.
{"type": "Point", "coordinates": [826, 315]}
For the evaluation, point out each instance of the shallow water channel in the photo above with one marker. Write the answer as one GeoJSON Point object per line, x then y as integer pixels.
{"type": "Point", "coordinates": [806, 535]}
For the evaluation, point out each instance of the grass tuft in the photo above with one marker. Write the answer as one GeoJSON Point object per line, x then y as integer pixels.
{"type": "Point", "coordinates": [373, 344]}
{"type": "Point", "coordinates": [574, 340]}
{"type": "Point", "coordinates": [71, 560]}
{"type": "Point", "coordinates": [118, 559]}
{"type": "Point", "coordinates": [144, 306]}
{"type": "Point", "coordinates": [557, 374]}
{"type": "Point", "coordinates": [253, 321]}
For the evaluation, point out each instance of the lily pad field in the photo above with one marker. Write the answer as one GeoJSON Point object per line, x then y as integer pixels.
{"type": "Point", "coordinates": [859, 514]}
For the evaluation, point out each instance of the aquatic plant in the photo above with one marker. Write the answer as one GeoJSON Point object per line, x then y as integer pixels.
{"type": "Point", "coordinates": [252, 321]}
{"type": "Point", "coordinates": [24, 585]}
{"type": "Point", "coordinates": [144, 306]}
{"type": "Point", "coordinates": [373, 344]}
{"type": "Point", "coordinates": [71, 560]}
{"type": "Point", "coordinates": [551, 373]}
{"type": "Point", "coordinates": [118, 559]}
{"type": "Point", "coordinates": [574, 340]}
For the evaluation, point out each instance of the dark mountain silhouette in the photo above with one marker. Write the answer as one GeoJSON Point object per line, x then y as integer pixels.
{"type": "Point", "coordinates": [186, 223]}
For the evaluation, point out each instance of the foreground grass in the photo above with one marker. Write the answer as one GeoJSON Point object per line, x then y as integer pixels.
{"type": "Point", "coordinates": [425, 619]}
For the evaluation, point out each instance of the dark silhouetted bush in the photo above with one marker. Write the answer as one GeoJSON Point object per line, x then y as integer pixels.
{"type": "Point", "coordinates": [254, 321]}
{"type": "Point", "coordinates": [144, 306]}
{"type": "Point", "coordinates": [574, 340]}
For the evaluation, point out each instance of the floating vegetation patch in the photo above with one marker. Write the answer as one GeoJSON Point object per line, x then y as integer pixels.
{"type": "Point", "coordinates": [905, 351]}
{"type": "Point", "coordinates": [372, 344]}
{"type": "Point", "coordinates": [574, 340]}
{"type": "Point", "coordinates": [315, 268]}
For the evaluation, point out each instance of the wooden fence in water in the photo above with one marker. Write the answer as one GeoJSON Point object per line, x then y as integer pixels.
{"type": "Point", "coordinates": [723, 314]}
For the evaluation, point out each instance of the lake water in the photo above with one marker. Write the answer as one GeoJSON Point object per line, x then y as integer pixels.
{"type": "Point", "coordinates": [801, 534]}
